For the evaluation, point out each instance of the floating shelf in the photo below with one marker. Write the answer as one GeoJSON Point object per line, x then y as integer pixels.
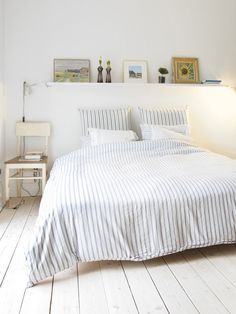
{"type": "Point", "coordinates": [57, 84]}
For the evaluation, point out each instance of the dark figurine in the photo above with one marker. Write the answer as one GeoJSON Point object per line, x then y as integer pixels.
{"type": "Point", "coordinates": [108, 69]}
{"type": "Point", "coordinates": [100, 69]}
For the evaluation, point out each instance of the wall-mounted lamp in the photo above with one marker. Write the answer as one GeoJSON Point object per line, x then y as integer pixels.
{"type": "Point", "coordinates": [27, 90]}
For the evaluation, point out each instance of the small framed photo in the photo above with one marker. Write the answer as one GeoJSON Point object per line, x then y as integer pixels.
{"type": "Point", "coordinates": [135, 71]}
{"type": "Point", "coordinates": [185, 70]}
{"type": "Point", "coordinates": [71, 70]}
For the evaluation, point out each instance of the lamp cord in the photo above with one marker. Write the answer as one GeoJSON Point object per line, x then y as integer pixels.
{"type": "Point", "coordinates": [28, 192]}
{"type": "Point", "coordinates": [22, 201]}
{"type": "Point", "coordinates": [24, 93]}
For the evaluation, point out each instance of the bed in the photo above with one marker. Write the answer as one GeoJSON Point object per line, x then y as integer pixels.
{"type": "Point", "coordinates": [132, 201]}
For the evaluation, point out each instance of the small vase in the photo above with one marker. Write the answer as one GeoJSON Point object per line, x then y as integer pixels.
{"type": "Point", "coordinates": [161, 79]}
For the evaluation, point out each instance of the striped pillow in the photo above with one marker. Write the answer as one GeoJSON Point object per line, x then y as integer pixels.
{"type": "Point", "coordinates": [109, 119]}
{"type": "Point", "coordinates": [163, 116]}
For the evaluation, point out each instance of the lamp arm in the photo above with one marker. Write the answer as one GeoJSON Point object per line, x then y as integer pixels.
{"type": "Point", "coordinates": [27, 90]}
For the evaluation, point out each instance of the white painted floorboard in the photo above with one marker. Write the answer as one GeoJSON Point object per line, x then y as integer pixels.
{"type": "Point", "coordinates": [194, 281]}
{"type": "Point", "coordinates": [90, 279]}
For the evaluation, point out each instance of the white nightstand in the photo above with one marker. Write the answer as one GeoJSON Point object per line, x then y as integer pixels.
{"type": "Point", "coordinates": [17, 169]}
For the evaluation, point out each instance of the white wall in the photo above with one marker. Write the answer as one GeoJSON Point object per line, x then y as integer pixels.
{"type": "Point", "coordinates": [154, 30]}
{"type": "Point", "coordinates": [2, 128]}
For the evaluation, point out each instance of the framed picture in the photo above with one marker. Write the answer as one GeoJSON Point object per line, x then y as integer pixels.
{"type": "Point", "coordinates": [71, 70]}
{"type": "Point", "coordinates": [185, 70]}
{"type": "Point", "coordinates": [135, 71]}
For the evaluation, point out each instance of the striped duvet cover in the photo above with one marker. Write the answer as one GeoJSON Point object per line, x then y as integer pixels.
{"type": "Point", "coordinates": [132, 201]}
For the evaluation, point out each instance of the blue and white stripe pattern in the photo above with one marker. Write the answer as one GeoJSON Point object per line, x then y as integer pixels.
{"type": "Point", "coordinates": [110, 119]}
{"type": "Point", "coordinates": [163, 116]}
{"type": "Point", "coordinates": [132, 201]}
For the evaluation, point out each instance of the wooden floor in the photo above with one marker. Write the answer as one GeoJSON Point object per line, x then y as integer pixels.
{"type": "Point", "coordinates": [195, 281]}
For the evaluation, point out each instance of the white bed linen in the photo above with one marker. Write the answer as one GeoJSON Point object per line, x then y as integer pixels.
{"type": "Point", "coordinates": [101, 136]}
{"type": "Point", "coordinates": [132, 201]}
{"type": "Point", "coordinates": [158, 133]}
{"type": "Point", "coordinates": [146, 129]}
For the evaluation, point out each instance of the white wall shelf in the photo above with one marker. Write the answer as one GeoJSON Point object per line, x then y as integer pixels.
{"type": "Point", "coordinates": [64, 84]}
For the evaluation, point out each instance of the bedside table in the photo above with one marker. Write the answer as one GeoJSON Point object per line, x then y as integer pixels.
{"type": "Point", "coordinates": [19, 165]}
{"type": "Point", "coordinates": [25, 130]}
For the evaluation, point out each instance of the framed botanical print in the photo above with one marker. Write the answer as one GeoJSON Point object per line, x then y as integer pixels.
{"type": "Point", "coordinates": [135, 71]}
{"type": "Point", "coordinates": [185, 70]}
{"type": "Point", "coordinates": [71, 70]}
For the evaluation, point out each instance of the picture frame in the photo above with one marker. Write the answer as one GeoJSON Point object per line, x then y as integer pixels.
{"type": "Point", "coordinates": [185, 70]}
{"type": "Point", "coordinates": [135, 71]}
{"type": "Point", "coordinates": [71, 70]}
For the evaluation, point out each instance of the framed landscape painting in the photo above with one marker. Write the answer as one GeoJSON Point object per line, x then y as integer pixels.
{"type": "Point", "coordinates": [185, 70]}
{"type": "Point", "coordinates": [135, 71]}
{"type": "Point", "coordinates": [71, 70]}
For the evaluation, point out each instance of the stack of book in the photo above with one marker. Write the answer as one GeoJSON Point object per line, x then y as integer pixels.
{"type": "Point", "coordinates": [211, 82]}
{"type": "Point", "coordinates": [34, 156]}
